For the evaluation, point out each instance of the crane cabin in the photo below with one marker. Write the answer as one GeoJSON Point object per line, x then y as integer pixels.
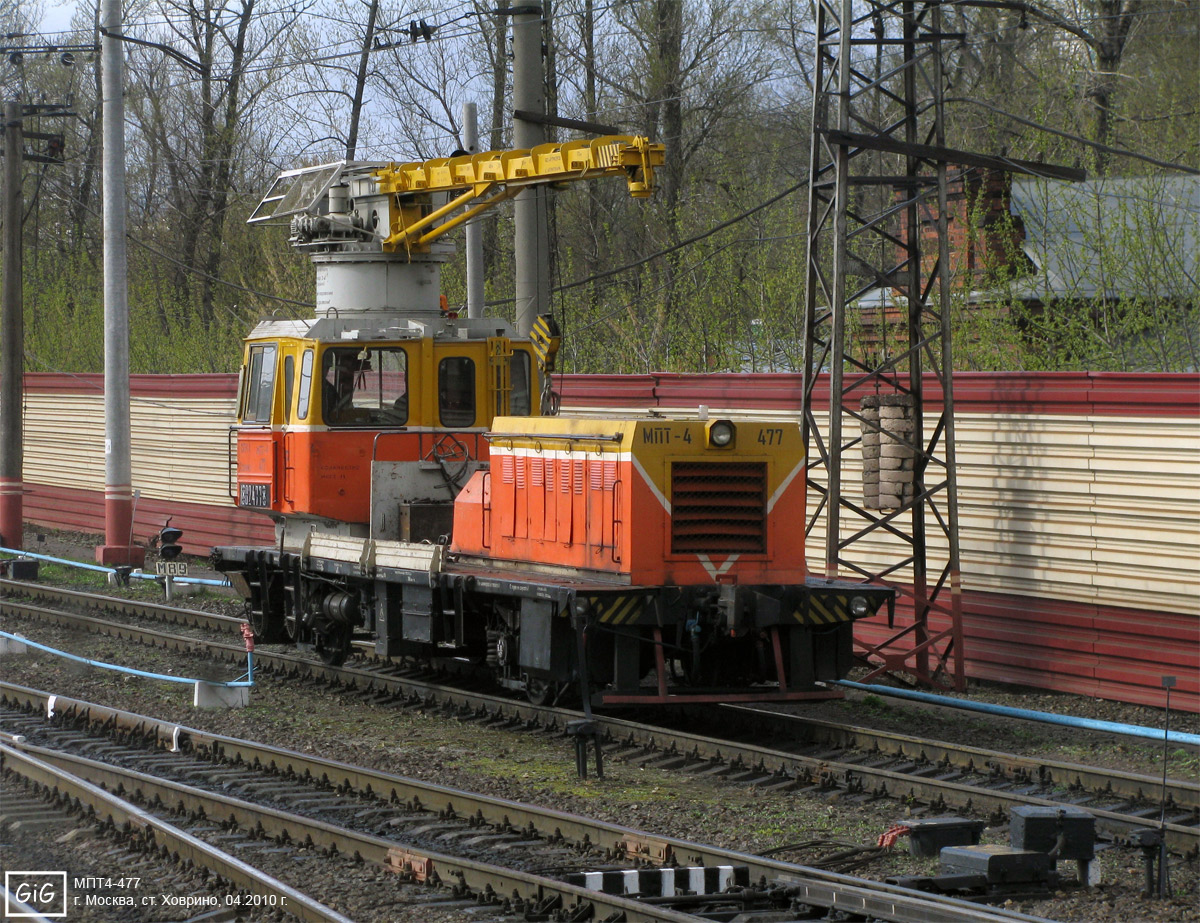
{"type": "Point", "coordinates": [367, 419]}
{"type": "Point", "coordinates": [330, 417]}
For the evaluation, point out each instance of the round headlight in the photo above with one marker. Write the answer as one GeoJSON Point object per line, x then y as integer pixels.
{"type": "Point", "coordinates": [721, 434]}
{"type": "Point", "coordinates": [859, 606]}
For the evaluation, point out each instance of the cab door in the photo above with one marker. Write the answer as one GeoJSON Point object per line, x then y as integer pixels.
{"type": "Point", "coordinates": [297, 398]}
{"type": "Point", "coordinates": [257, 443]}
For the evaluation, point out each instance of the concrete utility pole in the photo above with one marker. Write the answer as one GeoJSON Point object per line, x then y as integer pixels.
{"type": "Point", "coordinates": [12, 359]}
{"type": "Point", "coordinates": [118, 487]}
{"type": "Point", "coordinates": [474, 228]}
{"type": "Point", "coordinates": [360, 82]}
{"type": "Point", "coordinates": [532, 247]}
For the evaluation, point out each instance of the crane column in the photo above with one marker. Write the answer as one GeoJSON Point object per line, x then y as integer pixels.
{"type": "Point", "coordinates": [532, 243]}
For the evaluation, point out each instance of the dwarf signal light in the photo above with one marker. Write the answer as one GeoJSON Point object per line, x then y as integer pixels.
{"type": "Point", "coordinates": [168, 542]}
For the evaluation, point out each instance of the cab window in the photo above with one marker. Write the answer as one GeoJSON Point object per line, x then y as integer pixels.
{"type": "Point", "coordinates": [306, 374]}
{"type": "Point", "coordinates": [456, 391]}
{"type": "Point", "coordinates": [364, 387]}
{"type": "Point", "coordinates": [260, 384]}
{"type": "Point", "coordinates": [518, 380]}
{"type": "Point", "coordinates": [289, 381]}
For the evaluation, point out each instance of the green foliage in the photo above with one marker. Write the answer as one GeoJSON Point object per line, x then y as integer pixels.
{"type": "Point", "coordinates": [64, 325]}
{"type": "Point", "coordinates": [725, 87]}
{"type": "Point", "coordinates": [730, 301]}
{"type": "Point", "coordinates": [64, 316]}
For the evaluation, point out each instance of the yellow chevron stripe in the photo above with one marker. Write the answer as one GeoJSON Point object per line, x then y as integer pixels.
{"type": "Point", "coordinates": [628, 609]}
{"type": "Point", "coordinates": [619, 611]}
{"type": "Point", "coordinates": [818, 612]}
{"type": "Point", "coordinates": [608, 610]}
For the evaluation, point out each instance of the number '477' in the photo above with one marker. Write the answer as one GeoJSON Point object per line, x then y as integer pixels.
{"type": "Point", "coordinates": [770, 436]}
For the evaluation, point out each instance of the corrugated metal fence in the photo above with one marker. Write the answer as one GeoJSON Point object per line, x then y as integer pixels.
{"type": "Point", "coordinates": [1079, 497]}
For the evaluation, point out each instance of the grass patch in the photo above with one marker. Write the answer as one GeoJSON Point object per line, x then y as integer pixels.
{"type": "Point", "coordinates": [73, 577]}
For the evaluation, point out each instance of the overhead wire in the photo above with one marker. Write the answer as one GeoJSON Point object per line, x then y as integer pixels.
{"type": "Point", "coordinates": [660, 253]}
{"type": "Point", "coordinates": [1104, 148]}
{"type": "Point", "coordinates": [474, 14]}
{"type": "Point", "coordinates": [738, 218]}
{"type": "Point", "coordinates": [193, 270]}
{"type": "Point", "coordinates": [1054, 20]}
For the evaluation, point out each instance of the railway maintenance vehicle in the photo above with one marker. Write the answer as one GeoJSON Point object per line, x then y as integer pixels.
{"type": "Point", "coordinates": [428, 496]}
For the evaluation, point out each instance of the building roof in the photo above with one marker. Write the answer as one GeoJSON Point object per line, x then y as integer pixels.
{"type": "Point", "coordinates": [1110, 238]}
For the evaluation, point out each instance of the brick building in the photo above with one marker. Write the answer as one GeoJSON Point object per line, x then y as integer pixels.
{"type": "Point", "coordinates": [1044, 242]}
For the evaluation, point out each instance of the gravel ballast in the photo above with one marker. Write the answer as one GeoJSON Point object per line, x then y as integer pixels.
{"type": "Point", "coordinates": [541, 770]}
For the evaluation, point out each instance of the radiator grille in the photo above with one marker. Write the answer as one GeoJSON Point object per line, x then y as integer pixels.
{"type": "Point", "coordinates": [718, 508]}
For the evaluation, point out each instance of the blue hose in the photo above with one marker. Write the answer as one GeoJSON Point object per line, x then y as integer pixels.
{"type": "Point", "coordinates": [1113, 727]}
{"type": "Point", "coordinates": [45, 557]}
{"type": "Point", "coordinates": [249, 674]}
{"type": "Point", "coordinates": [140, 575]}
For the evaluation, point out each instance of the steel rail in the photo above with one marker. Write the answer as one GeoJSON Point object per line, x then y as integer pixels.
{"type": "Point", "coordinates": [828, 889]}
{"type": "Point", "coordinates": [172, 615]}
{"type": "Point", "coordinates": [1182, 793]}
{"type": "Point", "coordinates": [33, 763]}
{"type": "Point", "coordinates": [882, 783]}
{"type": "Point", "coordinates": [687, 746]}
{"type": "Point", "coordinates": [284, 826]}
{"type": "Point", "coordinates": [17, 908]}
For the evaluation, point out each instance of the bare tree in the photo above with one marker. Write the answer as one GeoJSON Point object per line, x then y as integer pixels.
{"type": "Point", "coordinates": [1064, 60]}
{"type": "Point", "coordinates": [197, 124]}
{"type": "Point", "coordinates": [695, 76]}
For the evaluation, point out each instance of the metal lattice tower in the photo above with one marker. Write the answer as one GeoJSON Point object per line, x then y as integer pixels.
{"type": "Point", "coordinates": [878, 127]}
{"type": "Point", "coordinates": [877, 212]}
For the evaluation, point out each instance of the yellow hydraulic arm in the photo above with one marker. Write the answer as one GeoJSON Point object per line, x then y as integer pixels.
{"type": "Point", "coordinates": [487, 179]}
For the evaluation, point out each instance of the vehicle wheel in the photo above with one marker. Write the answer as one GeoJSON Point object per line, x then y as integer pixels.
{"type": "Point", "coordinates": [539, 692]}
{"type": "Point", "coordinates": [334, 644]}
{"type": "Point", "coordinates": [291, 626]}
{"type": "Point", "coordinates": [265, 629]}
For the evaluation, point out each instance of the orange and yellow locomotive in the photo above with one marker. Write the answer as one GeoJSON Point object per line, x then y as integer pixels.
{"type": "Point", "coordinates": [426, 496]}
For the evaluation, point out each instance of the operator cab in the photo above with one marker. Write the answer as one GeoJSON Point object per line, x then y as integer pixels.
{"type": "Point", "coordinates": [340, 434]}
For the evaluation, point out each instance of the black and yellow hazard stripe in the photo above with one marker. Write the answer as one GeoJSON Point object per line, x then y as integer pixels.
{"type": "Point", "coordinates": [545, 339]}
{"type": "Point", "coordinates": [825, 609]}
{"type": "Point", "coordinates": [623, 610]}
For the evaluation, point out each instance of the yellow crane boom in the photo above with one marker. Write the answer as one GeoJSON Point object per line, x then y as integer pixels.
{"type": "Point", "coordinates": [483, 180]}
{"type": "Point", "coordinates": [338, 206]}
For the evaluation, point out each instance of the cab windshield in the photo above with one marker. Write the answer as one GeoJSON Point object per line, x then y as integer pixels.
{"type": "Point", "coordinates": [364, 387]}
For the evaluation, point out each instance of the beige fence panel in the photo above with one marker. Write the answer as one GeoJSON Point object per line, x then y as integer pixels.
{"type": "Point", "coordinates": [1088, 509]}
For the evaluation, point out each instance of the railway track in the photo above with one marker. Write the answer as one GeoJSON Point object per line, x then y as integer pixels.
{"type": "Point", "coordinates": [1088, 786]}
{"type": "Point", "coordinates": [45, 769]}
{"type": "Point", "coordinates": [219, 776]}
{"type": "Point", "coordinates": [819, 756]}
{"type": "Point", "coordinates": [472, 882]}
{"type": "Point", "coordinates": [30, 819]}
